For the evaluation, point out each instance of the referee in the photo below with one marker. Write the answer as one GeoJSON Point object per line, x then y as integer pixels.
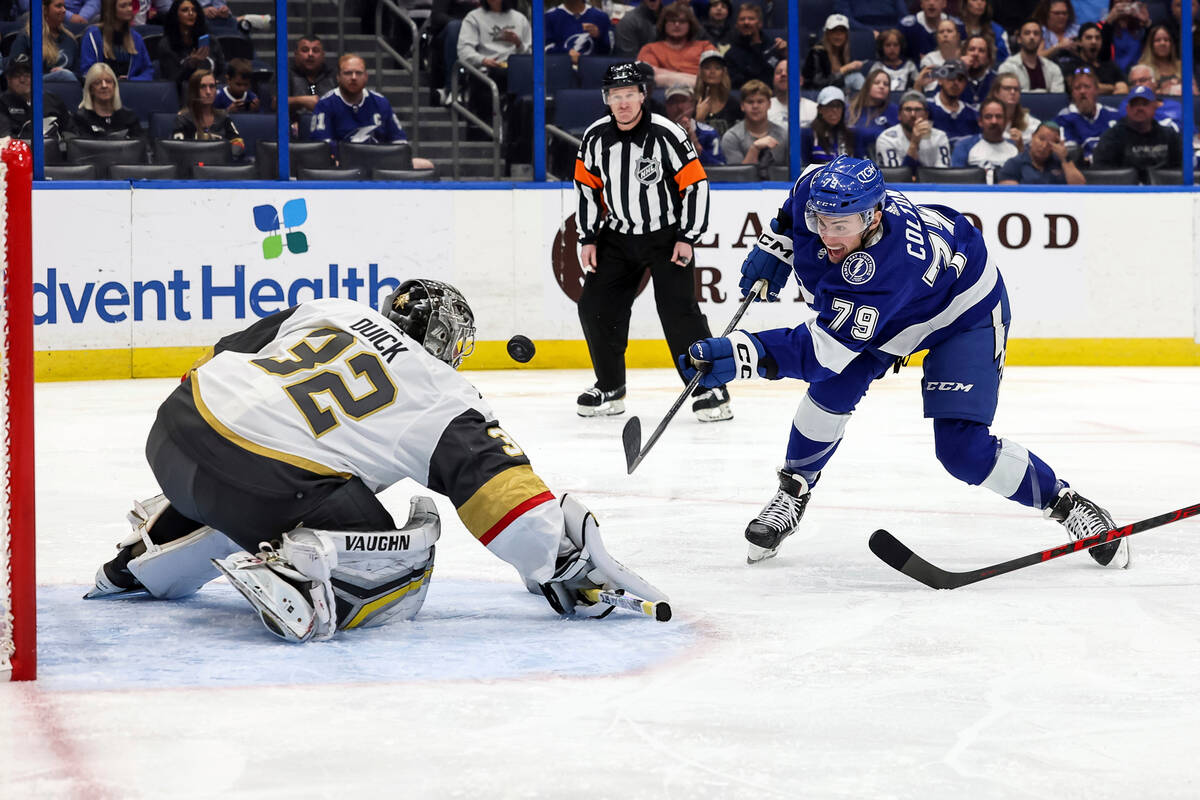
{"type": "Point", "coordinates": [643, 204]}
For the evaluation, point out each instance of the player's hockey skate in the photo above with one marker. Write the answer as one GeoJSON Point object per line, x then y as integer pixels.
{"type": "Point", "coordinates": [596, 402]}
{"type": "Point", "coordinates": [111, 582]}
{"type": "Point", "coordinates": [1081, 517]}
{"type": "Point", "coordinates": [778, 519]}
{"type": "Point", "coordinates": [712, 405]}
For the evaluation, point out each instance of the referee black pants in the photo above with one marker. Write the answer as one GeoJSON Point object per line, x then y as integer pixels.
{"type": "Point", "coordinates": [609, 292]}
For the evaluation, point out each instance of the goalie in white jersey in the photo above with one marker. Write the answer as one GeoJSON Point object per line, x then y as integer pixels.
{"type": "Point", "coordinates": [277, 442]}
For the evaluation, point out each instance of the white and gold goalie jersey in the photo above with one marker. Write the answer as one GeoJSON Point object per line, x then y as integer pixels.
{"type": "Point", "coordinates": [334, 388]}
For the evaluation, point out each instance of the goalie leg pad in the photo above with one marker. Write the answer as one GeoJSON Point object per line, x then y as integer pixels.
{"type": "Point", "coordinates": [179, 568]}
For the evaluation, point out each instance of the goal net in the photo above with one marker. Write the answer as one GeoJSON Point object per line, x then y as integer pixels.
{"type": "Point", "coordinates": [18, 628]}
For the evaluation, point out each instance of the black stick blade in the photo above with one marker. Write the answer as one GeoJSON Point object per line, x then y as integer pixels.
{"type": "Point", "coordinates": [899, 557]}
{"type": "Point", "coordinates": [889, 549]}
{"type": "Point", "coordinates": [631, 437]}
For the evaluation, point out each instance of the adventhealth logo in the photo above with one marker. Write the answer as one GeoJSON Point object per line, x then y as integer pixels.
{"type": "Point", "coordinates": [266, 219]}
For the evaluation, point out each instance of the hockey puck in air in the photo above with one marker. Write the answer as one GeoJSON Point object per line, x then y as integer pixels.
{"type": "Point", "coordinates": [520, 348]}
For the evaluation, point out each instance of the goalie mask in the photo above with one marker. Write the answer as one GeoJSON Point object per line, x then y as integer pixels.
{"type": "Point", "coordinates": [436, 315]}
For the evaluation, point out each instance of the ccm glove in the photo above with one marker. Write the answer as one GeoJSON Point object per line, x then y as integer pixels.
{"type": "Point", "coordinates": [771, 259]}
{"type": "Point", "coordinates": [720, 361]}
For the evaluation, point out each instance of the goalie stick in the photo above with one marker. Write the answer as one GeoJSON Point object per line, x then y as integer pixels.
{"type": "Point", "coordinates": [631, 434]}
{"type": "Point", "coordinates": [619, 598]}
{"type": "Point", "coordinates": [898, 556]}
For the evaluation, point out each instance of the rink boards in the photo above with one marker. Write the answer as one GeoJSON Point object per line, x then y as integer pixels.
{"type": "Point", "coordinates": [136, 282]}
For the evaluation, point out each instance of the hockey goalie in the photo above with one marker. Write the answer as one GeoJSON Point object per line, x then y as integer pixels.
{"type": "Point", "coordinates": [272, 449]}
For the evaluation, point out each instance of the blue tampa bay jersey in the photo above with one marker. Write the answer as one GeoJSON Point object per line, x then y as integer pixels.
{"type": "Point", "coordinates": [924, 278]}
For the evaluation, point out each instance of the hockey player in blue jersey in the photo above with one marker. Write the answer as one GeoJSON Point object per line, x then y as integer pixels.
{"type": "Point", "coordinates": [887, 278]}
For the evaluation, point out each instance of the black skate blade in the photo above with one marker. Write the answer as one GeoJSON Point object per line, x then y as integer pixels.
{"type": "Point", "coordinates": [631, 438]}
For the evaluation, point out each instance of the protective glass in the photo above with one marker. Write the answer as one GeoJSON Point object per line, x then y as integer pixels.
{"type": "Point", "coordinates": [837, 226]}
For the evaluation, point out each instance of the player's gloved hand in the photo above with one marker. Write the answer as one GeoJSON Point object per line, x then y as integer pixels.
{"type": "Point", "coordinates": [770, 260]}
{"type": "Point", "coordinates": [720, 361]}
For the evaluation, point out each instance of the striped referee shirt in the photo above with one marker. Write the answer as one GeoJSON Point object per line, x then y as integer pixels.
{"type": "Point", "coordinates": [639, 181]}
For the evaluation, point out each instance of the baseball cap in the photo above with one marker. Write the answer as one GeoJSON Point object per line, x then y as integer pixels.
{"type": "Point", "coordinates": [831, 94]}
{"type": "Point", "coordinates": [836, 21]}
{"type": "Point", "coordinates": [951, 69]}
{"type": "Point", "coordinates": [707, 54]}
{"type": "Point", "coordinates": [912, 96]}
{"type": "Point", "coordinates": [1143, 92]}
{"type": "Point", "coordinates": [19, 64]}
{"type": "Point", "coordinates": [679, 89]}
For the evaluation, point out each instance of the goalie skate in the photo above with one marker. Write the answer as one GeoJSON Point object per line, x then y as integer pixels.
{"type": "Point", "coordinates": [778, 519]}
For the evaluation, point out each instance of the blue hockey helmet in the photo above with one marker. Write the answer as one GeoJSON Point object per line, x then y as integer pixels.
{"type": "Point", "coordinates": [845, 187]}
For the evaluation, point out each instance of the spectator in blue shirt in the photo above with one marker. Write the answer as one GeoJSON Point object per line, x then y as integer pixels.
{"type": "Point", "coordinates": [878, 15]}
{"type": "Point", "coordinates": [115, 43]}
{"type": "Point", "coordinates": [978, 20]}
{"type": "Point", "coordinates": [1043, 162]}
{"type": "Point", "coordinates": [236, 96]}
{"type": "Point", "coordinates": [979, 57]}
{"type": "Point", "coordinates": [1122, 32]}
{"type": "Point", "coordinates": [60, 51]}
{"type": "Point", "coordinates": [871, 111]}
{"type": "Point", "coordinates": [578, 29]}
{"type": "Point", "coordinates": [947, 111]}
{"type": "Point", "coordinates": [354, 113]}
{"type": "Point", "coordinates": [1084, 120]}
{"type": "Point", "coordinates": [920, 29]}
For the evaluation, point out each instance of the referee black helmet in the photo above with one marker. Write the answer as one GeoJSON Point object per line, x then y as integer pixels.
{"type": "Point", "coordinates": [629, 73]}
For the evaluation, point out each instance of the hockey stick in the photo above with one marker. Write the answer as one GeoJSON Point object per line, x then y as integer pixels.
{"type": "Point", "coordinates": [619, 598]}
{"type": "Point", "coordinates": [631, 435]}
{"type": "Point", "coordinates": [898, 556]}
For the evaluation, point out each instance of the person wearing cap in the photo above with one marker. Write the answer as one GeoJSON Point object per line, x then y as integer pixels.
{"type": "Point", "coordinates": [681, 109]}
{"type": "Point", "coordinates": [16, 105]}
{"type": "Point", "coordinates": [828, 62]}
{"type": "Point", "coordinates": [1138, 139]}
{"type": "Point", "coordinates": [876, 15]}
{"type": "Point", "coordinates": [676, 55]}
{"type": "Point", "coordinates": [638, 28]}
{"type": "Point", "coordinates": [712, 92]}
{"type": "Point", "coordinates": [829, 136]}
{"type": "Point", "coordinates": [750, 57]}
{"type": "Point", "coordinates": [1044, 162]}
{"type": "Point", "coordinates": [920, 29]}
{"type": "Point", "coordinates": [578, 29]}
{"type": "Point", "coordinates": [1084, 120]}
{"type": "Point", "coordinates": [718, 25]}
{"type": "Point", "coordinates": [642, 205]}
{"type": "Point", "coordinates": [1035, 73]}
{"type": "Point", "coordinates": [988, 148]}
{"type": "Point", "coordinates": [913, 141]}
{"type": "Point", "coordinates": [778, 112]}
{"type": "Point", "coordinates": [947, 111]}
{"type": "Point", "coordinates": [756, 140]}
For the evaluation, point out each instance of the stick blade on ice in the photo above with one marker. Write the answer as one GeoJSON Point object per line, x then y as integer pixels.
{"type": "Point", "coordinates": [631, 437]}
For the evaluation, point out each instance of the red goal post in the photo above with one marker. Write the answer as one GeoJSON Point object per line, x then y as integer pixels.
{"type": "Point", "coordinates": [18, 613]}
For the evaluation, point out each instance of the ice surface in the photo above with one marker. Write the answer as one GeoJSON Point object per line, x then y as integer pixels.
{"type": "Point", "coordinates": [820, 674]}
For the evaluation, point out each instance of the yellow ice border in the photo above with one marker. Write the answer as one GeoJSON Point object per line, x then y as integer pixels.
{"type": "Point", "coordinates": [163, 362]}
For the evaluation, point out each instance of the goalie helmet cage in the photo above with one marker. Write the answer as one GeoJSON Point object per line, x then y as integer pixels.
{"type": "Point", "coordinates": [18, 620]}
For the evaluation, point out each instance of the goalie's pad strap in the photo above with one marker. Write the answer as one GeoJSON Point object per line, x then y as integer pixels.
{"type": "Point", "coordinates": [295, 611]}
{"type": "Point", "coordinates": [181, 567]}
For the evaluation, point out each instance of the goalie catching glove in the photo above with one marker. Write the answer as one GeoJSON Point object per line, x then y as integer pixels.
{"type": "Point", "coordinates": [739, 356]}
{"type": "Point", "coordinates": [584, 563]}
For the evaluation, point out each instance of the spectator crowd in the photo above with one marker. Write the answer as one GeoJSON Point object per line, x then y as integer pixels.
{"type": "Point", "coordinates": [1025, 91]}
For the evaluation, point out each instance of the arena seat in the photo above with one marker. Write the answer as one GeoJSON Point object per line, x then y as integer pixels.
{"type": "Point", "coordinates": [103, 153]}
{"type": "Point", "coordinates": [896, 174]}
{"type": "Point", "coordinates": [592, 69]}
{"type": "Point", "coordinates": [364, 156]}
{"type": "Point", "coordinates": [559, 73]}
{"type": "Point", "coordinates": [254, 127]}
{"type": "Point", "coordinates": [970, 175]}
{"type": "Point", "coordinates": [225, 172]}
{"type": "Point", "coordinates": [314, 155]}
{"type": "Point", "coordinates": [150, 97]}
{"type": "Point", "coordinates": [310, 174]}
{"type": "Point", "coordinates": [184, 154]}
{"type": "Point", "coordinates": [1121, 176]}
{"type": "Point", "coordinates": [142, 172]}
{"type": "Point", "coordinates": [404, 175]}
{"type": "Point", "coordinates": [71, 172]}
{"type": "Point", "coordinates": [576, 109]}
{"type": "Point", "coordinates": [1045, 105]}
{"type": "Point", "coordinates": [70, 92]}
{"type": "Point", "coordinates": [737, 173]}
